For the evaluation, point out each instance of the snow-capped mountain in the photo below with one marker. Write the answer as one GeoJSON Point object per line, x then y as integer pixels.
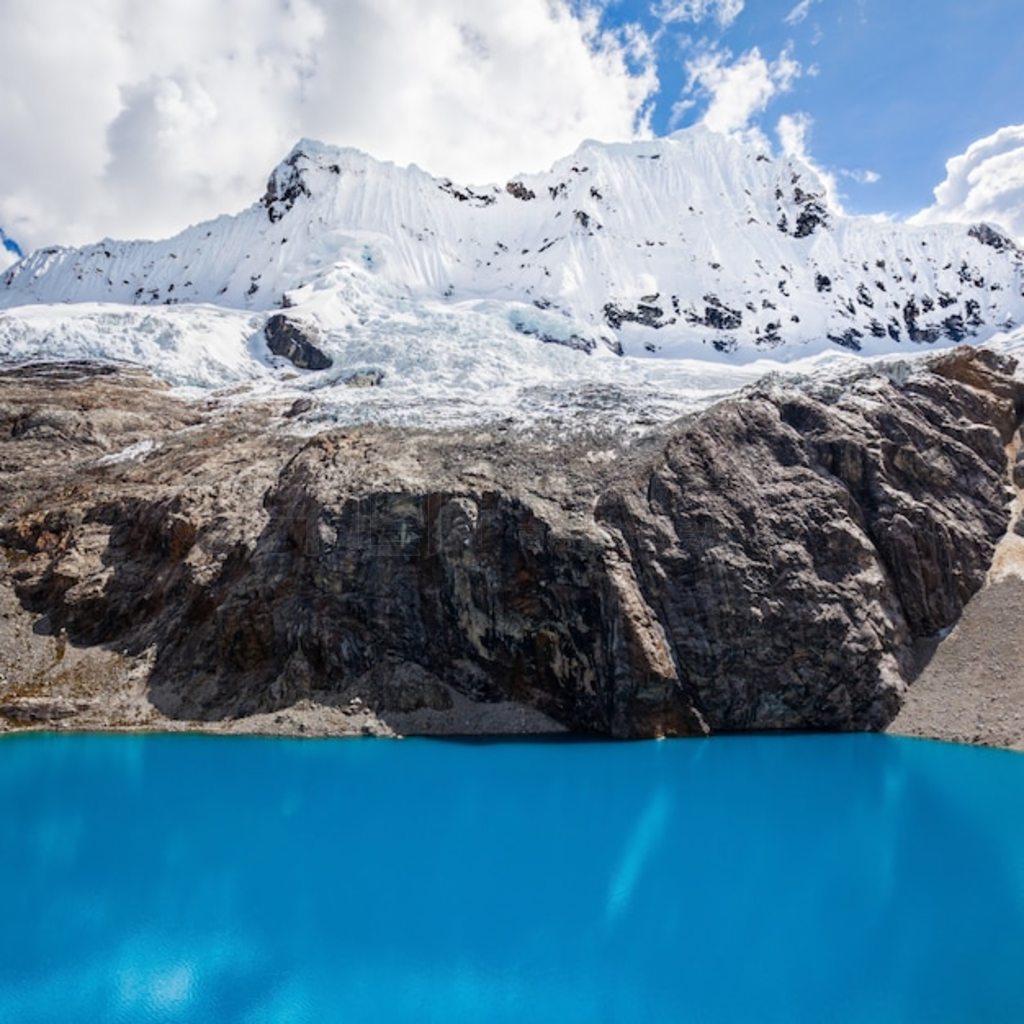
{"type": "Point", "coordinates": [695, 246]}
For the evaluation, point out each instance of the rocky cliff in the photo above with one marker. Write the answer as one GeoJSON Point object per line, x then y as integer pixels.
{"type": "Point", "coordinates": [772, 563]}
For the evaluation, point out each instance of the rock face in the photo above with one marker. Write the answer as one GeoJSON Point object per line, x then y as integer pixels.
{"type": "Point", "coordinates": [769, 564]}
{"type": "Point", "coordinates": [297, 342]}
{"type": "Point", "coordinates": [786, 538]}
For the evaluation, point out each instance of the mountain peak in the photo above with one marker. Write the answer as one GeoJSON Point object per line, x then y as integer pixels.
{"type": "Point", "coordinates": [695, 245]}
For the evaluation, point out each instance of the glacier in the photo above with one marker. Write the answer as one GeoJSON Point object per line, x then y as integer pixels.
{"type": "Point", "coordinates": [632, 280]}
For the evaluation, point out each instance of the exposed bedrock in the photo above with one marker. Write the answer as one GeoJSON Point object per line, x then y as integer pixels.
{"type": "Point", "coordinates": [297, 341]}
{"type": "Point", "coordinates": [770, 563]}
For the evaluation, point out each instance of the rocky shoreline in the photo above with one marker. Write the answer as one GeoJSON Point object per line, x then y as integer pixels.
{"type": "Point", "coordinates": [779, 561]}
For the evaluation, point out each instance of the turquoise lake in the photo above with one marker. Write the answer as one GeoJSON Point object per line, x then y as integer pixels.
{"type": "Point", "coordinates": [801, 878]}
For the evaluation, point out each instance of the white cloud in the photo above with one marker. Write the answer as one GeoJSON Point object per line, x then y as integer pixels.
{"type": "Point", "coordinates": [725, 12]}
{"type": "Point", "coordinates": [799, 12]}
{"type": "Point", "coordinates": [793, 130]}
{"type": "Point", "coordinates": [680, 109]}
{"type": "Point", "coordinates": [862, 177]}
{"type": "Point", "coordinates": [136, 119]}
{"type": "Point", "coordinates": [741, 89]}
{"type": "Point", "coordinates": [985, 183]}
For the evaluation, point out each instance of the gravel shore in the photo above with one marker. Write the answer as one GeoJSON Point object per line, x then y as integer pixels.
{"type": "Point", "coordinates": [972, 688]}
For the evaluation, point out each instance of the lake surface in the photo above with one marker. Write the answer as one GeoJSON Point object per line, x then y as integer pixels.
{"type": "Point", "coordinates": [834, 878]}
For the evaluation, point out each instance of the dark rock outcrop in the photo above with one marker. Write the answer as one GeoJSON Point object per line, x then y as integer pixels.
{"type": "Point", "coordinates": [988, 235]}
{"type": "Point", "coordinates": [786, 539]}
{"type": "Point", "coordinates": [299, 408]}
{"type": "Point", "coordinates": [467, 195]}
{"type": "Point", "coordinates": [646, 313]}
{"type": "Point", "coordinates": [808, 209]}
{"type": "Point", "coordinates": [850, 338]}
{"type": "Point", "coordinates": [769, 564]}
{"type": "Point", "coordinates": [812, 215]}
{"type": "Point", "coordinates": [286, 185]}
{"type": "Point", "coordinates": [716, 315]}
{"type": "Point", "coordinates": [518, 190]}
{"type": "Point", "coordinates": [297, 341]}
{"type": "Point", "coordinates": [570, 339]}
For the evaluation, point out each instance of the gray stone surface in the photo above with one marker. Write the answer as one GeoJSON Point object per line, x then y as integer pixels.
{"type": "Point", "coordinates": [772, 563]}
{"type": "Point", "coordinates": [971, 690]}
{"type": "Point", "coordinates": [297, 341]}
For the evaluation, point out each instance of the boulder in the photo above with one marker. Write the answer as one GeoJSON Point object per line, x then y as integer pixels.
{"type": "Point", "coordinates": [297, 341]}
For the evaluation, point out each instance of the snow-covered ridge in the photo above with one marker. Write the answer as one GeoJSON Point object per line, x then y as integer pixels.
{"type": "Point", "coordinates": [695, 246]}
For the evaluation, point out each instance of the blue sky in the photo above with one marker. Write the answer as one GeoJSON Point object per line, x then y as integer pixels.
{"type": "Point", "coordinates": [899, 86]}
{"type": "Point", "coordinates": [135, 120]}
{"type": "Point", "coordinates": [9, 244]}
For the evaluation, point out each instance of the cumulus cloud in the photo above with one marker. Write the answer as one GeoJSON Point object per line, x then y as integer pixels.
{"type": "Point", "coordinates": [136, 119]}
{"type": "Point", "coordinates": [984, 183]}
{"type": "Point", "coordinates": [739, 89]}
{"type": "Point", "coordinates": [725, 12]}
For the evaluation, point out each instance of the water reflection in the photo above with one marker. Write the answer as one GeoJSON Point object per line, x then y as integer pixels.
{"type": "Point", "coordinates": [801, 878]}
{"type": "Point", "coordinates": [643, 840]}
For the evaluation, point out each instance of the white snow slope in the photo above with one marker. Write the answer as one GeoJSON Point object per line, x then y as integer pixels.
{"type": "Point", "coordinates": [617, 269]}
